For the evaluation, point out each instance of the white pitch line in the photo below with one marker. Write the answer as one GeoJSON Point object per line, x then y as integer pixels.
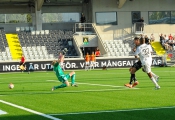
{"type": "Point", "coordinates": [30, 110]}
{"type": "Point", "coordinates": [111, 111]}
{"type": "Point", "coordinates": [52, 80]}
{"type": "Point", "coordinates": [100, 90]}
{"type": "Point", "coordinates": [99, 85]}
{"type": "Point", "coordinates": [2, 112]}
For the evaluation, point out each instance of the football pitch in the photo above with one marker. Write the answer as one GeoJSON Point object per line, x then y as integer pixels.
{"type": "Point", "coordinates": [101, 95]}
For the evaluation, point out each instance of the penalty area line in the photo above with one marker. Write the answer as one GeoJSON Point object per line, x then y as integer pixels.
{"type": "Point", "coordinates": [30, 110]}
{"type": "Point", "coordinates": [111, 111]}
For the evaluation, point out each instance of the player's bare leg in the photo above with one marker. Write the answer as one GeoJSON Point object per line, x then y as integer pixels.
{"type": "Point", "coordinates": [132, 78]}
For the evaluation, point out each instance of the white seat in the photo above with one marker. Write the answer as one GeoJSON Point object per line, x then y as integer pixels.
{"type": "Point", "coordinates": [126, 53]}
{"type": "Point", "coordinates": [115, 41]}
{"type": "Point", "coordinates": [46, 32]}
{"type": "Point", "coordinates": [120, 49]}
{"type": "Point", "coordinates": [51, 56]}
{"type": "Point", "coordinates": [126, 45]}
{"type": "Point", "coordinates": [117, 53]}
{"type": "Point", "coordinates": [113, 45]}
{"type": "Point", "coordinates": [31, 28]}
{"type": "Point", "coordinates": [22, 28]}
{"type": "Point", "coordinates": [121, 53]}
{"type": "Point", "coordinates": [111, 41]}
{"type": "Point", "coordinates": [17, 29]}
{"type": "Point", "coordinates": [42, 32]}
{"type": "Point", "coordinates": [108, 45]}
{"type": "Point", "coordinates": [32, 32]}
{"type": "Point", "coordinates": [37, 32]}
{"type": "Point", "coordinates": [128, 49]}
{"type": "Point", "coordinates": [27, 28]}
{"type": "Point", "coordinates": [36, 56]}
{"type": "Point", "coordinates": [111, 49]}
{"type": "Point", "coordinates": [115, 49]}
{"type": "Point", "coordinates": [122, 45]}
{"type": "Point", "coordinates": [118, 45]}
{"type": "Point", "coordinates": [124, 49]}
{"type": "Point", "coordinates": [38, 48]}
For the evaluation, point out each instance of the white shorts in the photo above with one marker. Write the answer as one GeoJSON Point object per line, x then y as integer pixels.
{"type": "Point", "coordinates": [86, 63]}
{"type": "Point", "coordinates": [147, 68]}
{"type": "Point", "coordinates": [92, 62]}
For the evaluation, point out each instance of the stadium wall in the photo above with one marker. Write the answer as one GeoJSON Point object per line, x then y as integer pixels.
{"type": "Point", "coordinates": [11, 27]}
{"type": "Point", "coordinates": [93, 40]}
{"type": "Point", "coordinates": [125, 19]}
{"type": "Point", "coordinates": [74, 64]}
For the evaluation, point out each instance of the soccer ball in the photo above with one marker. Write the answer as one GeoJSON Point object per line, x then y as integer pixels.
{"type": "Point", "coordinates": [11, 85]}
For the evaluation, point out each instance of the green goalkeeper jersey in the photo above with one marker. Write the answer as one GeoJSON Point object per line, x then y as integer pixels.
{"type": "Point", "coordinates": [58, 70]}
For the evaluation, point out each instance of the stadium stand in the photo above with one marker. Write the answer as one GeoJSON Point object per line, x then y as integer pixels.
{"type": "Point", "coordinates": [4, 49]}
{"type": "Point", "coordinates": [120, 48]}
{"type": "Point", "coordinates": [46, 44]}
{"type": "Point", "coordinates": [117, 48]}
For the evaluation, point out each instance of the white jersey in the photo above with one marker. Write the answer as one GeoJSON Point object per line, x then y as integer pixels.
{"type": "Point", "coordinates": [144, 52]}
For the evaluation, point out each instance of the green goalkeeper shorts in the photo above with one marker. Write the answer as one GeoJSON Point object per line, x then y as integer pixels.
{"type": "Point", "coordinates": [63, 78]}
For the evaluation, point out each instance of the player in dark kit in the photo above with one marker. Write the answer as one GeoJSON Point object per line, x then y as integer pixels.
{"type": "Point", "coordinates": [133, 69]}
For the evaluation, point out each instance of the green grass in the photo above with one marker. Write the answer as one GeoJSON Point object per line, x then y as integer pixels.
{"type": "Point", "coordinates": [98, 91]}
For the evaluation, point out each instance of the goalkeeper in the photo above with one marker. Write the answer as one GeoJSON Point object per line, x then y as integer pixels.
{"type": "Point", "coordinates": [62, 77]}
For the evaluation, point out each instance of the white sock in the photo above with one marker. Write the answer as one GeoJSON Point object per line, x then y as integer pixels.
{"type": "Point", "coordinates": [154, 81]}
{"type": "Point", "coordinates": [154, 75]}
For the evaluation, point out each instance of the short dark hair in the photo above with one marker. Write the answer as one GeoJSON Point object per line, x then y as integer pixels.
{"type": "Point", "coordinates": [142, 40]}
{"type": "Point", "coordinates": [136, 38]}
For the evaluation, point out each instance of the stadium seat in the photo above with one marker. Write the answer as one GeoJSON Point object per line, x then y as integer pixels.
{"type": "Point", "coordinates": [27, 29]}
{"type": "Point", "coordinates": [46, 32]}
{"type": "Point", "coordinates": [17, 29]}
{"type": "Point", "coordinates": [32, 32]}
{"type": "Point", "coordinates": [22, 29]}
{"type": "Point", "coordinates": [121, 53]}
{"type": "Point", "coordinates": [45, 42]}
{"type": "Point", "coordinates": [31, 28]}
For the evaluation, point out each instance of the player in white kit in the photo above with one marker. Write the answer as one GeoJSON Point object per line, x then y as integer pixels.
{"type": "Point", "coordinates": [144, 52]}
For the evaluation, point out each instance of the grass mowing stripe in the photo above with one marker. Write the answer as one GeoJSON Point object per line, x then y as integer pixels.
{"type": "Point", "coordinates": [72, 91]}
{"type": "Point", "coordinates": [99, 85]}
{"type": "Point", "coordinates": [110, 111]}
{"type": "Point", "coordinates": [29, 110]}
